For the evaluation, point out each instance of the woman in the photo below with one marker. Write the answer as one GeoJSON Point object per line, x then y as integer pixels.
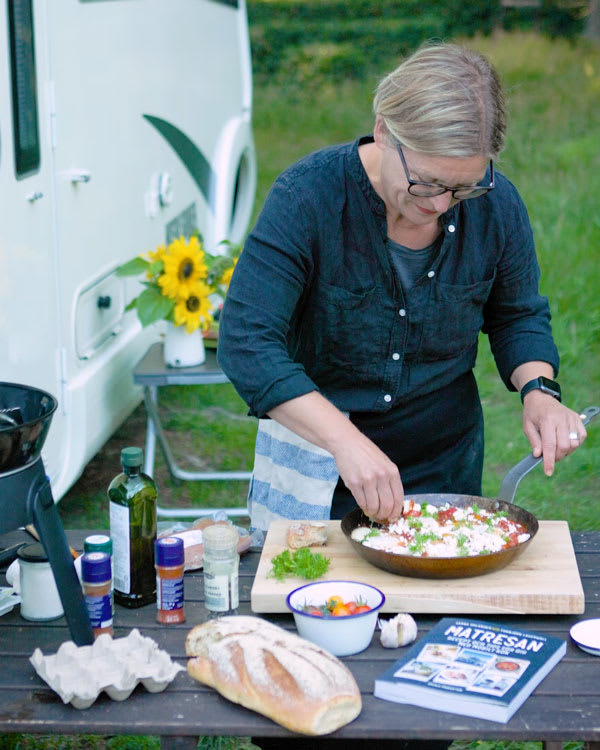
{"type": "Point", "coordinates": [353, 316]}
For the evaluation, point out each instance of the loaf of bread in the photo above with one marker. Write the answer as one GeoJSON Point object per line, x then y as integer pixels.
{"type": "Point", "coordinates": [306, 534]}
{"type": "Point", "coordinates": [276, 673]}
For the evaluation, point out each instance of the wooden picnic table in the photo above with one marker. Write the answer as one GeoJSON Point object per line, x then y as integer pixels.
{"type": "Point", "coordinates": [565, 706]}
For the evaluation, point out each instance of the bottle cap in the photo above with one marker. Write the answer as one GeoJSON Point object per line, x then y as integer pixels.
{"type": "Point", "coordinates": [95, 567]}
{"type": "Point", "coordinates": [98, 543]}
{"type": "Point", "coordinates": [132, 456]}
{"type": "Point", "coordinates": [220, 540]}
{"type": "Point", "coordinates": [169, 551]}
{"type": "Point", "coordinates": [33, 553]}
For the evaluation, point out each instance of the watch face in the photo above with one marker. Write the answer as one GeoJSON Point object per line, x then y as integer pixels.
{"type": "Point", "coordinates": [550, 386]}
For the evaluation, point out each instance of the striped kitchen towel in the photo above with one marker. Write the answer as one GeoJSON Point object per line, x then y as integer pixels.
{"type": "Point", "coordinates": [292, 478]}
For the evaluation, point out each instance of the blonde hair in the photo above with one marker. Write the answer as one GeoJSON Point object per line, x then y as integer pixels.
{"type": "Point", "coordinates": [444, 100]}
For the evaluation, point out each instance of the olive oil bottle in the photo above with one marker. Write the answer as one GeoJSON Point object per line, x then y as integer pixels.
{"type": "Point", "coordinates": [132, 502]}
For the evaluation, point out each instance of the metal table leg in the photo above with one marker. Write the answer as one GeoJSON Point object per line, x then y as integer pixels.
{"type": "Point", "coordinates": [156, 432]}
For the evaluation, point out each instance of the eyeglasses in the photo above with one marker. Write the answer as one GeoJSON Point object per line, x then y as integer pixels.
{"type": "Point", "coordinates": [428, 189]}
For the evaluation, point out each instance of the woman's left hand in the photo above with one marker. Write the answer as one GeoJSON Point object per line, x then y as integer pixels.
{"type": "Point", "coordinates": [551, 428]}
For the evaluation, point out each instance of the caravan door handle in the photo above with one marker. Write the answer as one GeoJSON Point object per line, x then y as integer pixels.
{"type": "Point", "coordinates": [78, 175]}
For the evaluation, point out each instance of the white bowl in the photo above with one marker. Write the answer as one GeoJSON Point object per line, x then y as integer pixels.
{"type": "Point", "coordinates": [586, 635]}
{"type": "Point", "coordinates": [340, 636]}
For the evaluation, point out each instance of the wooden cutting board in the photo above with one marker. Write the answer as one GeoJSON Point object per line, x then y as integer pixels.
{"type": "Point", "coordinates": [543, 579]}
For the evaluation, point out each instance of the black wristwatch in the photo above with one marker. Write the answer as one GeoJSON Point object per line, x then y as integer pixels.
{"type": "Point", "coordinates": [551, 387]}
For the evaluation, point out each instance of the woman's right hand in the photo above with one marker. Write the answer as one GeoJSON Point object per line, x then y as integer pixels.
{"type": "Point", "coordinates": [372, 478]}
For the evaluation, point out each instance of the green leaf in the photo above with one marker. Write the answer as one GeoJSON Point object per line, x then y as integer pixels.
{"type": "Point", "coordinates": [156, 267]}
{"type": "Point", "coordinates": [133, 267]}
{"type": "Point", "coordinates": [152, 306]}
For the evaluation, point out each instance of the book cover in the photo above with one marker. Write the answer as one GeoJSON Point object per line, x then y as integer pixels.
{"type": "Point", "coordinates": [471, 667]}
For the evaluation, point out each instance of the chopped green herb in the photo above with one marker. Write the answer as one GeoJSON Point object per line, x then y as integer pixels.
{"type": "Point", "coordinates": [302, 563]}
{"type": "Point", "coordinates": [374, 532]}
{"type": "Point", "coordinates": [421, 540]}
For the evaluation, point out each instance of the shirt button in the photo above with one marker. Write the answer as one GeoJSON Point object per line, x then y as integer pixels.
{"type": "Point", "coordinates": [395, 355]}
{"type": "Point", "coordinates": [431, 274]}
{"type": "Point", "coordinates": [451, 228]}
{"type": "Point", "coordinates": [402, 312]}
{"type": "Point", "coordinates": [387, 398]}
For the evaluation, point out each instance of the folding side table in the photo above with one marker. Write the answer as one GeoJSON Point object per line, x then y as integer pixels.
{"type": "Point", "coordinates": [152, 373]}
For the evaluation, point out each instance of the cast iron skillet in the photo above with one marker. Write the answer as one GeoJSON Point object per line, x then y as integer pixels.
{"type": "Point", "coordinates": [442, 567]}
{"type": "Point", "coordinates": [458, 567]}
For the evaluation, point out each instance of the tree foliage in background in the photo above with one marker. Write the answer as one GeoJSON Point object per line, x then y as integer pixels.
{"type": "Point", "coordinates": [304, 41]}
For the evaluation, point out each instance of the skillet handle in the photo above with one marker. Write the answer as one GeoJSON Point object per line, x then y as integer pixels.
{"type": "Point", "coordinates": [509, 485]}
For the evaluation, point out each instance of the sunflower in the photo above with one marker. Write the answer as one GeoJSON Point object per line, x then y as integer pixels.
{"type": "Point", "coordinates": [193, 309]}
{"type": "Point", "coordinates": [154, 256]}
{"type": "Point", "coordinates": [158, 254]}
{"type": "Point", "coordinates": [225, 279]}
{"type": "Point", "coordinates": [184, 266]}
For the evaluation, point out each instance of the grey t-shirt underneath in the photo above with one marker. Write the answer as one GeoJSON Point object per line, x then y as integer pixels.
{"type": "Point", "coordinates": [409, 265]}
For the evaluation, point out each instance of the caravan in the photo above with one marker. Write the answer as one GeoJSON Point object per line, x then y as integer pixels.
{"type": "Point", "coordinates": [123, 124]}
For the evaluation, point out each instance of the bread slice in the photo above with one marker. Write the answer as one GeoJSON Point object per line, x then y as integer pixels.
{"type": "Point", "coordinates": [306, 534]}
{"type": "Point", "coordinates": [290, 680]}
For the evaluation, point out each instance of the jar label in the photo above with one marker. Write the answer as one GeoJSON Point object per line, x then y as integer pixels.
{"type": "Point", "coordinates": [169, 593]}
{"type": "Point", "coordinates": [221, 592]}
{"type": "Point", "coordinates": [119, 531]}
{"type": "Point", "coordinates": [99, 610]}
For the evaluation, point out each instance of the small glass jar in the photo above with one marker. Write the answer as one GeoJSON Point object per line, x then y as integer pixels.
{"type": "Point", "coordinates": [102, 543]}
{"type": "Point", "coordinates": [169, 555]}
{"type": "Point", "coordinates": [40, 600]}
{"type": "Point", "coordinates": [221, 563]}
{"type": "Point", "coordinates": [96, 577]}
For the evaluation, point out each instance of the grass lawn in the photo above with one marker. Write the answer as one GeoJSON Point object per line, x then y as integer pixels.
{"type": "Point", "coordinates": [553, 158]}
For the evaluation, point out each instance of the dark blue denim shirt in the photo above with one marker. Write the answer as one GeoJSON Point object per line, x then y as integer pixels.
{"type": "Point", "coordinates": [314, 303]}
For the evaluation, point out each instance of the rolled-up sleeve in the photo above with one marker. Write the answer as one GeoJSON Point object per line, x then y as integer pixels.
{"type": "Point", "coordinates": [517, 317]}
{"type": "Point", "coordinates": [269, 280]}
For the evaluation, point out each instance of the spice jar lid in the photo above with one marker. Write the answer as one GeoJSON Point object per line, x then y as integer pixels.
{"type": "Point", "coordinates": [95, 567]}
{"type": "Point", "coordinates": [33, 553]}
{"type": "Point", "coordinates": [220, 540]}
{"type": "Point", "coordinates": [98, 543]}
{"type": "Point", "coordinates": [132, 456]}
{"type": "Point", "coordinates": [169, 551]}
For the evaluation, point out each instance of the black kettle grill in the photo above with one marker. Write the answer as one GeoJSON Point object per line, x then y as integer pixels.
{"type": "Point", "coordinates": [26, 496]}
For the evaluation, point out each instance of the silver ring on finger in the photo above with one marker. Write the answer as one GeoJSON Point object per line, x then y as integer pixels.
{"type": "Point", "coordinates": [574, 436]}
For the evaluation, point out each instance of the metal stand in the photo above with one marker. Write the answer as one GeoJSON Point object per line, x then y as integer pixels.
{"type": "Point", "coordinates": [32, 484]}
{"type": "Point", "coordinates": [152, 373]}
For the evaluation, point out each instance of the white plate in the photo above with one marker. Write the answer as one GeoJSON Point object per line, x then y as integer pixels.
{"type": "Point", "coordinates": [586, 635]}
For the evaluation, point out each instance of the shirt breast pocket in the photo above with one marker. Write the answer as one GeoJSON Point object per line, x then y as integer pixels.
{"type": "Point", "coordinates": [453, 318]}
{"type": "Point", "coordinates": [348, 328]}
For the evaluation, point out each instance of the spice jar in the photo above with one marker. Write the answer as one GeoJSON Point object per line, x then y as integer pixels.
{"type": "Point", "coordinates": [40, 599]}
{"type": "Point", "coordinates": [102, 543]}
{"type": "Point", "coordinates": [96, 578]}
{"type": "Point", "coordinates": [169, 557]}
{"type": "Point", "coordinates": [221, 562]}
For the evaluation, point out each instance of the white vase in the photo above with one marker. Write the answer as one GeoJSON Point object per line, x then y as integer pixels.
{"type": "Point", "coordinates": [183, 349]}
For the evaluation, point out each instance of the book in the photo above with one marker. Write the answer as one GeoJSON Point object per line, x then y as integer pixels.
{"type": "Point", "coordinates": [471, 667]}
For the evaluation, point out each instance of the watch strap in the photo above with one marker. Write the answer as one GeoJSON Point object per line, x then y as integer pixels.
{"type": "Point", "coordinates": [551, 387]}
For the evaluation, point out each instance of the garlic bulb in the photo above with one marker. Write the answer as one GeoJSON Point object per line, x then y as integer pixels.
{"type": "Point", "coordinates": [399, 631]}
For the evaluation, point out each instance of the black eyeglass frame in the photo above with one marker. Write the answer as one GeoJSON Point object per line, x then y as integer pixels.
{"type": "Point", "coordinates": [472, 191]}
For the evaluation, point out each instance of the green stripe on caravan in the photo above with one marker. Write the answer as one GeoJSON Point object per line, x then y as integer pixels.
{"type": "Point", "coordinates": [192, 158]}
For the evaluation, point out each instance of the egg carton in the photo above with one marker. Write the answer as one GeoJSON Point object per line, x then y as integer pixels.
{"type": "Point", "coordinates": [116, 665]}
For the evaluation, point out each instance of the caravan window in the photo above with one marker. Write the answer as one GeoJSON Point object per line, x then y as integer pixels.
{"type": "Point", "coordinates": [24, 87]}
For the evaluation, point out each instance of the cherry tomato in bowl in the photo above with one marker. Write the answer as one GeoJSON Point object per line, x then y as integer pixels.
{"type": "Point", "coordinates": [348, 627]}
